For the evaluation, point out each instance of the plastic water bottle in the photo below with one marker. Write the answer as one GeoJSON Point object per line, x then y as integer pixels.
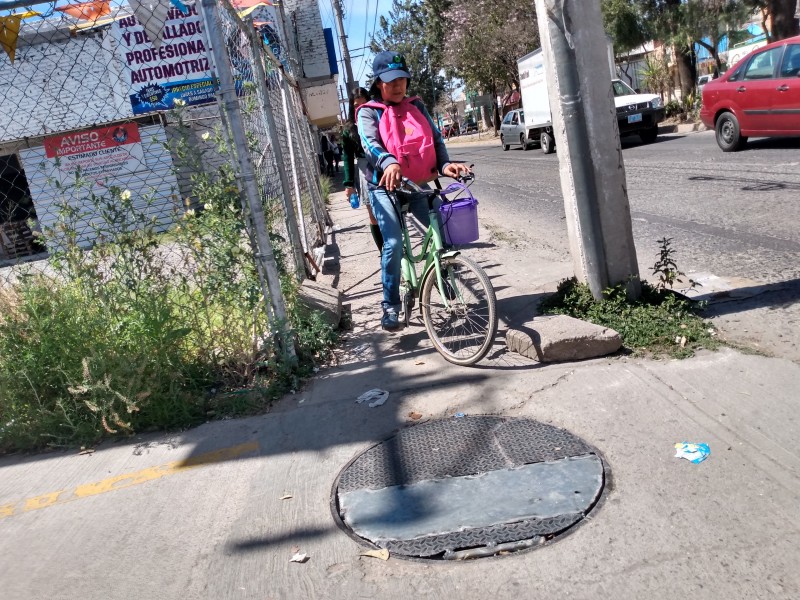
{"type": "Point", "coordinates": [354, 202]}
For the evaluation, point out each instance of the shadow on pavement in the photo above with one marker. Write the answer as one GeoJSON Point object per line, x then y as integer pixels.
{"type": "Point", "coordinates": [771, 295]}
{"type": "Point", "coordinates": [750, 185]}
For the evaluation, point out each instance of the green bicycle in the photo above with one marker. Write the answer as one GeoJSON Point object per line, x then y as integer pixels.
{"type": "Point", "coordinates": [456, 297]}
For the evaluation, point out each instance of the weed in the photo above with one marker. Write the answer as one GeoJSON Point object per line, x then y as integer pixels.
{"type": "Point", "coordinates": [659, 322]}
{"type": "Point", "coordinates": [667, 269]}
{"type": "Point", "coordinates": [153, 327]}
{"type": "Point", "coordinates": [326, 187]}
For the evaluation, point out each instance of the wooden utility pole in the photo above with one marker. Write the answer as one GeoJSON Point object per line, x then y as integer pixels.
{"type": "Point", "coordinates": [348, 69]}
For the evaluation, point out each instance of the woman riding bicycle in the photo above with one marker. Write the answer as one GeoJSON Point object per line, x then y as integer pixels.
{"type": "Point", "coordinates": [384, 169]}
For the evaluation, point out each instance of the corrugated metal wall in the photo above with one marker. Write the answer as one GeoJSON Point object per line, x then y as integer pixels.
{"type": "Point", "coordinates": [154, 189]}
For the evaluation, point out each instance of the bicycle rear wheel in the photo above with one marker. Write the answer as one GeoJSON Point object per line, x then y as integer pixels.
{"type": "Point", "coordinates": [464, 331]}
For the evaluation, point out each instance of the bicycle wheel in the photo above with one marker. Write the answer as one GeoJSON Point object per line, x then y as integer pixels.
{"type": "Point", "coordinates": [464, 331]}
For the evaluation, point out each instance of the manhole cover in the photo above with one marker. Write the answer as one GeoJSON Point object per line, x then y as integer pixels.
{"type": "Point", "coordinates": [468, 487]}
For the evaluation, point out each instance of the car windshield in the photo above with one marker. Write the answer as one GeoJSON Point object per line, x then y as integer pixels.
{"type": "Point", "coordinates": [622, 89]}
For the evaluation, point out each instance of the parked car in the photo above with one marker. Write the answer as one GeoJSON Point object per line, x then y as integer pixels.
{"type": "Point", "coordinates": [469, 126]}
{"type": "Point", "coordinates": [703, 80]}
{"type": "Point", "coordinates": [512, 130]}
{"type": "Point", "coordinates": [758, 97]}
{"type": "Point", "coordinates": [450, 130]}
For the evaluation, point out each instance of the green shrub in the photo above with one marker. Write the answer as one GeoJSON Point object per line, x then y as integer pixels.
{"type": "Point", "coordinates": [659, 322]}
{"type": "Point", "coordinates": [673, 108]}
{"type": "Point", "coordinates": [147, 330]}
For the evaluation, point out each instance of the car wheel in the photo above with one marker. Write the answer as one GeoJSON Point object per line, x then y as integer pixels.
{"type": "Point", "coordinates": [523, 142]}
{"type": "Point", "coordinates": [649, 135]}
{"type": "Point", "coordinates": [503, 144]}
{"type": "Point", "coordinates": [729, 137]}
{"type": "Point", "coordinates": [547, 142]}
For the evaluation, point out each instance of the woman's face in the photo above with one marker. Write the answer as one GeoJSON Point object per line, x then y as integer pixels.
{"type": "Point", "coordinates": [394, 91]}
{"type": "Point", "coordinates": [358, 101]}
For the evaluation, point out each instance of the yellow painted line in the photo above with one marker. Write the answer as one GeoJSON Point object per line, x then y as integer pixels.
{"type": "Point", "coordinates": [118, 482]}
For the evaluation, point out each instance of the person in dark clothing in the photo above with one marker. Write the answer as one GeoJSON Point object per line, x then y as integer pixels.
{"type": "Point", "coordinates": [327, 152]}
{"type": "Point", "coordinates": [337, 154]}
{"type": "Point", "coordinates": [354, 163]}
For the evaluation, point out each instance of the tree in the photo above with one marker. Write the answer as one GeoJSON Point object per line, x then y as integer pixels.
{"type": "Point", "coordinates": [623, 21]}
{"type": "Point", "coordinates": [781, 15]}
{"type": "Point", "coordinates": [668, 20]}
{"type": "Point", "coordinates": [708, 22]}
{"type": "Point", "coordinates": [484, 40]}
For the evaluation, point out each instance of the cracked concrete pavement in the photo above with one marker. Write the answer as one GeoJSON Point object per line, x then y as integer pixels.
{"type": "Point", "coordinates": [217, 511]}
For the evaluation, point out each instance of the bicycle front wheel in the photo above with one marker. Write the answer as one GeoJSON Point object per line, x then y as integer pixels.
{"type": "Point", "coordinates": [463, 329]}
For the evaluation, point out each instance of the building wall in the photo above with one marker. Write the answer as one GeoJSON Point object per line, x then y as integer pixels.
{"type": "Point", "coordinates": [306, 24]}
{"type": "Point", "coordinates": [58, 85]}
{"type": "Point", "coordinates": [153, 187]}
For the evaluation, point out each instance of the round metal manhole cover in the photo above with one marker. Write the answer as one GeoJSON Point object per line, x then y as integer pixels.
{"type": "Point", "coordinates": [469, 487]}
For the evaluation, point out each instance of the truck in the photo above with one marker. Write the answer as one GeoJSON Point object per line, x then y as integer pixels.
{"type": "Point", "coordinates": [637, 113]}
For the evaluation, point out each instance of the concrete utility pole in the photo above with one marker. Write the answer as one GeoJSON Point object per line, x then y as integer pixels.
{"type": "Point", "coordinates": [587, 137]}
{"type": "Point", "coordinates": [348, 69]}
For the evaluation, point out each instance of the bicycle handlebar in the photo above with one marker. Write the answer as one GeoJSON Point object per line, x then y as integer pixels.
{"type": "Point", "coordinates": [407, 183]}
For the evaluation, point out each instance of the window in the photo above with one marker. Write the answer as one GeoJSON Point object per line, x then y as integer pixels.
{"type": "Point", "coordinates": [515, 119]}
{"type": "Point", "coordinates": [622, 89]}
{"type": "Point", "coordinates": [791, 61]}
{"type": "Point", "coordinates": [507, 120]}
{"type": "Point", "coordinates": [737, 74]}
{"type": "Point", "coordinates": [522, 116]}
{"type": "Point", "coordinates": [763, 65]}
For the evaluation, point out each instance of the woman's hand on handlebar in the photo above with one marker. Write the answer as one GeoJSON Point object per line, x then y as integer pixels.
{"type": "Point", "coordinates": [391, 178]}
{"type": "Point", "coordinates": [455, 170]}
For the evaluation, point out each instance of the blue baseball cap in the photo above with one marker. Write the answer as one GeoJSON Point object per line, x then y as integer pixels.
{"type": "Point", "coordinates": [388, 66]}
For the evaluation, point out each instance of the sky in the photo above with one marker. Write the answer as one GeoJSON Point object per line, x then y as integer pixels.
{"type": "Point", "coordinates": [360, 22]}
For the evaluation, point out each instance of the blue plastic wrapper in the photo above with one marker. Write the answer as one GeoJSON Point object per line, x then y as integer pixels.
{"type": "Point", "coordinates": [695, 453]}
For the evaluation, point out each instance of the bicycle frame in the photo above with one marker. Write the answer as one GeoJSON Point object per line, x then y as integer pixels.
{"type": "Point", "coordinates": [431, 256]}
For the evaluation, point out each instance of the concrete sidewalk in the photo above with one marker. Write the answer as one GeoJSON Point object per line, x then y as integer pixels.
{"type": "Point", "coordinates": [218, 511]}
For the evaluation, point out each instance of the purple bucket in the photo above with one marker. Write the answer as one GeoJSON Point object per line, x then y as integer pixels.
{"type": "Point", "coordinates": [459, 217]}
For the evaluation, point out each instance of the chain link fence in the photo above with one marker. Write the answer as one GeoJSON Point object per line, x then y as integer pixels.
{"type": "Point", "coordinates": [96, 105]}
{"type": "Point", "coordinates": [155, 160]}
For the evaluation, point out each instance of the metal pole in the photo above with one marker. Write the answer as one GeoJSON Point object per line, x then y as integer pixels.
{"type": "Point", "coordinates": [226, 91]}
{"type": "Point", "coordinates": [295, 178]}
{"type": "Point", "coordinates": [316, 196]}
{"type": "Point", "coordinates": [272, 132]}
{"type": "Point", "coordinates": [337, 7]}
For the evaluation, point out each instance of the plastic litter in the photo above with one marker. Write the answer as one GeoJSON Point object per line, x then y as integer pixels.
{"type": "Point", "coordinates": [458, 415]}
{"type": "Point", "coordinates": [373, 398]}
{"type": "Point", "coordinates": [695, 453]}
{"type": "Point", "coordinates": [299, 558]}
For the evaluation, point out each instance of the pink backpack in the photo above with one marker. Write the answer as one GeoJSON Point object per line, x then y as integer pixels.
{"type": "Point", "coordinates": [407, 134]}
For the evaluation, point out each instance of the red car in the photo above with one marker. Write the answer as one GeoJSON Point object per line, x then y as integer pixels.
{"type": "Point", "coordinates": [758, 97]}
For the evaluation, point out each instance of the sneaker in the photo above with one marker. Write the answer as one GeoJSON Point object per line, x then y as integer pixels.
{"type": "Point", "coordinates": [390, 320]}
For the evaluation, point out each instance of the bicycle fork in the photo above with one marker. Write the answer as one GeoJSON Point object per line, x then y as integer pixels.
{"type": "Point", "coordinates": [451, 279]}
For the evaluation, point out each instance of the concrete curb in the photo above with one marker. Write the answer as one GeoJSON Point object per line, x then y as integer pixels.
{"type": "Point", "coordinates": [488, 137]}
{"type": "Point", "coordinates": [681, 128]}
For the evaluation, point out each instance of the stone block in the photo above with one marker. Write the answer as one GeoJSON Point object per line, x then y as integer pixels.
{"type": "Point", "coordinates": [559, 338]}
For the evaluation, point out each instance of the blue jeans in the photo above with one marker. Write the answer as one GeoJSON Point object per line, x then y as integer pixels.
{"type": "Point", "coordinates": [388, 221]}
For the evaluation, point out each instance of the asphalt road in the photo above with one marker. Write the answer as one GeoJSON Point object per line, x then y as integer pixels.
{"type": "Point", "coordinates": [732, 215]}
{"type": "Point", "coordinates": [733, 219]}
